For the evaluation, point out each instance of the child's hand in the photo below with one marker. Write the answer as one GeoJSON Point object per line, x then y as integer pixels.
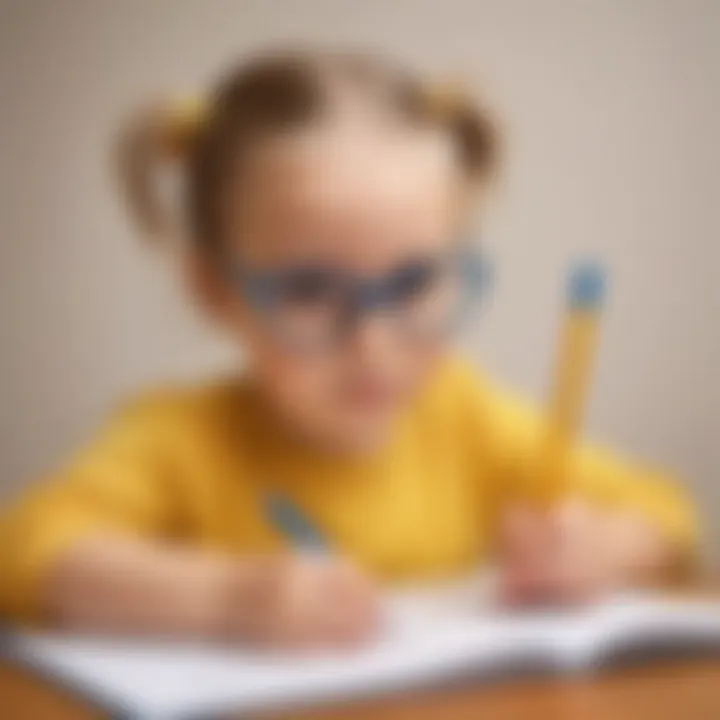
{"type": "Point", "coordinates": [574, 553]}
{"type": "Point", "coordinates": [300, 602]}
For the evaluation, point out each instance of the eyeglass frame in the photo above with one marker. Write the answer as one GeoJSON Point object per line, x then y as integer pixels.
{"type": "Point", "coordinates": [262, 289]}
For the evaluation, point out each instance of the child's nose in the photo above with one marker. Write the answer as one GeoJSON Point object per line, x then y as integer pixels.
{"type": "Point", "coordinates": [373, 334]}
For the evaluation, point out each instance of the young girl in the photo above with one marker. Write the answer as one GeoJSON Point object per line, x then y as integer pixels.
{"type": "Point", "coordinates": [326, 225]}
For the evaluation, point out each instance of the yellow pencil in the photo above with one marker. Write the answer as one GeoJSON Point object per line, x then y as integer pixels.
{"type": "Point", "coordinates": [571, 380]}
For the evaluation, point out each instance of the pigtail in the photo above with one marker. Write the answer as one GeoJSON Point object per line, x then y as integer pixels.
{"type": "Point", "coordinates": [158, 138]}
{"type": "Point", "coordinates": [474, 130]}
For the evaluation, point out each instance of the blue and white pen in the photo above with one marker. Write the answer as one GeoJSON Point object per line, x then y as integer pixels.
{"type": "Point", "coordinates": [287, 518]}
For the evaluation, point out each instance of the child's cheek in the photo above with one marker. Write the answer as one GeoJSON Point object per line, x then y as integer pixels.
{"type": "Point", "coordinates": [303, 386]}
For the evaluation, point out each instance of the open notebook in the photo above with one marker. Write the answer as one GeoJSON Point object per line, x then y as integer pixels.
{"type": "Point", "coordinates": [424, 642]}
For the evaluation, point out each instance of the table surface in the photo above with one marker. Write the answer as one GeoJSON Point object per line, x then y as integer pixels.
{"type": "Point", "coordinates": [687, 690]}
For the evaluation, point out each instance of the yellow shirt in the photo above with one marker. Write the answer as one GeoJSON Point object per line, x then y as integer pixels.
{"type": "Point", "coordinates": [192, 465]}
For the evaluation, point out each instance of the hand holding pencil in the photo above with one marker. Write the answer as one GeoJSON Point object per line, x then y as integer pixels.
{"type": "Point", "coordinates": [305, 598]}
{"type": "Point", "coordinates": [294, 601]}
{"type": "Point", "coordinates": [559, 547]}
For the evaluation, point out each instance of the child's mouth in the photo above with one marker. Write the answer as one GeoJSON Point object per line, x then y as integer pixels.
{"type": "Point", "coordinates": [369, 394]}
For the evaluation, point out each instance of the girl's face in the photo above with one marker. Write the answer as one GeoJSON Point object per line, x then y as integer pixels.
{"type": "Point", "coordinates": [319, 215]}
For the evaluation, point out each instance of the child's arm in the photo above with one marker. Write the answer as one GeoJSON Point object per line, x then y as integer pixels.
{"type": "Point", "coordinates": [121, 584]}
{"type": "Point", "coordinates": [92, 550]}
{"type": "Point", "coordinates": [115, 584]}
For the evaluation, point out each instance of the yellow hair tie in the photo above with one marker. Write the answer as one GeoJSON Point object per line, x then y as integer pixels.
{"type": "Point", "coordinates": [182, 122]}
{"type": "Point", "coordinates": [446, 99]}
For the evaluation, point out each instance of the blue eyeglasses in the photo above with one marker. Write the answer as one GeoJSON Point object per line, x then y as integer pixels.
{"type": "Point", "coordinates": [313, 307]}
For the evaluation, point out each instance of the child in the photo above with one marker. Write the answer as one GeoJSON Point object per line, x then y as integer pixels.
{"type": "Point", "coordinates": [328, 197]}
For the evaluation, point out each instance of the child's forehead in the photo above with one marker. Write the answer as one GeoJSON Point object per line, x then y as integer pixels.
{"type": "Point", "coordinates": [352, 153]}
{"type": "Point", "coordinates": [348, 192]}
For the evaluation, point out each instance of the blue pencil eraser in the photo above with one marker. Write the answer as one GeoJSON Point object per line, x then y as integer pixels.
{"type": "Point", "coordinates": [586, 287]}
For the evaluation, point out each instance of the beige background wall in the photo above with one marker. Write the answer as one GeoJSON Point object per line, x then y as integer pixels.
{"type": "Point", "coordinates": [612, 109]}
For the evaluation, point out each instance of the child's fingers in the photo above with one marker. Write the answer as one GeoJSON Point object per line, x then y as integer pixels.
{"type": "Point", "coordinates": [518, 588]}
{"type": "Point", "coordinates": [566, 563]}
{"type": "Point", "coordinates": [321, 602]}
{"type": "Point", "coordinates": [527, 546]}
{"type": "Point", "coordinates": [525, 535]}
{"type": "Point", "coordinates": [580, 570]}
{"type": "Point", "coordinates": [350, 605]}
{"type": "Point", "coordinates": [521, 524]}
{"type": "Point", "coordinates": [572, 521]}
{"type": "Point", "coordinates": [342, 627]}
{"type": "Point", "coordinates": [532, 582]}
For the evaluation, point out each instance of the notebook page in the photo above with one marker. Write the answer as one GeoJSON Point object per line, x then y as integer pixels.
{"type": "Point", "coordinates": [635, 622]}
{"type": "Point", "coordinates": [166, 681]}
{"type": "Point", "coordinates": [421, 643]}
{"type": "Point", "coordinates": [429, 635]}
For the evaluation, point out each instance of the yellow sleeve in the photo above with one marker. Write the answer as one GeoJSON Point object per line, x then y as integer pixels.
{"type": "Point", "coordinates": [508, 430]}
{"type": "Point", "coordinates": [121, 483]}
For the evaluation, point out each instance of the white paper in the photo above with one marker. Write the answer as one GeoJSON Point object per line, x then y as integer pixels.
{"type": "Point", "coordinates": [429, 635]}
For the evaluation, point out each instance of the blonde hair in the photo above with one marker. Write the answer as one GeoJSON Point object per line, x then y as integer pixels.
{"type": "Point", "coordinates": [267, 95]}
